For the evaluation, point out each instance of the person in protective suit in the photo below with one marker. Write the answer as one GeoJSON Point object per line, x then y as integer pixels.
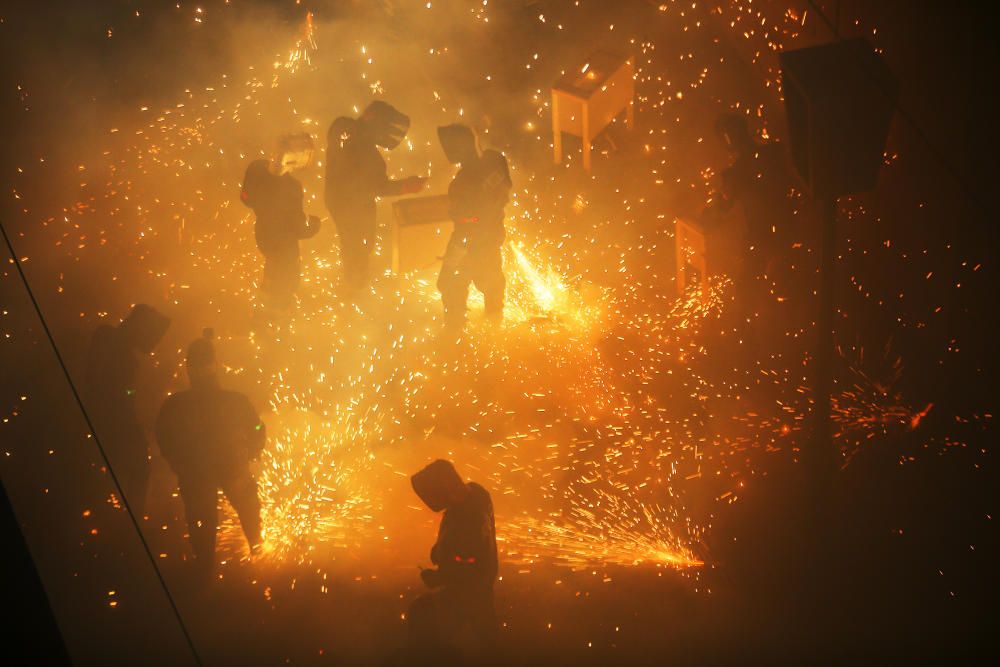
{"type": "Point", "coordinates": [111, 379]}
{"type": "Point", "coordinates": [458, 615]}
{"type": "Point", "coordinates": [209, 435]}
{"type": "Point", "coordinates": [276, 198]}
{"type": "Point", "coordinates": [758, 180]}
{"type": "Point", "coordinates": [356, 175]}
{"type": "Point", "coordinates": [477, 196]}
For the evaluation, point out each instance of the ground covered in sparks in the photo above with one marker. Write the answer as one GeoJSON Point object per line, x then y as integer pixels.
{"type": "Point", "coordinates": [632, 434]}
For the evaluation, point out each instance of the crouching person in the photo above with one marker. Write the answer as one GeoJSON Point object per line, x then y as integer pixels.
{"type": "Point", "coordinates": [456, 620]}
{"type": "Point", "coordinates": [209, 435]}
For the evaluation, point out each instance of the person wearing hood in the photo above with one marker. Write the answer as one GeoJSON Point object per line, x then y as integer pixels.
{"type": "Point", "coordinates": [112, 386]}
{"type": "Point", "coordinates": [758, 180]}
{"type": "Point", "coordinates": [209, 436]}
{"type": "Point", "coordinates": [276, 198]}
{"type": "Point", "coordinates": [477, 196]}
{"type": "Point", "coordinates": [457, 616]}
{"type": "Point", "coordinates": [356, 176]}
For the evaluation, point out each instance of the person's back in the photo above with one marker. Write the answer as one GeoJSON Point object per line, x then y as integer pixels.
{"type": "Point", "coordinates": [208, 431]}
{"type": "Point", "coordinates": [276, 201]}
{"type": "Point", "coordinates": [355, 170]}
{"type": "Point", "coordinates": [356, 175]}
{"type": "Point", "coordinates": [209, 435]}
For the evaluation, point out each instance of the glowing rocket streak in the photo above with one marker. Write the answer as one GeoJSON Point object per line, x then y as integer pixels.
{"type": "Point", "coordinates": [916, 418]}
{"type": "Point", "coordinates": [304, 46]}
{"type": "Point", "coordinates": [544, 291]}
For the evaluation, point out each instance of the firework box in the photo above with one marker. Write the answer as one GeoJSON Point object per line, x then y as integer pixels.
{"type": "Point", "coordinates": [420, 230]}
{"type": "Point", "coordinates": [702, 251]}
{"type": "Point", "coordinates": [588, 98]}
{"type": "Point", "coordinates": [840, 99]}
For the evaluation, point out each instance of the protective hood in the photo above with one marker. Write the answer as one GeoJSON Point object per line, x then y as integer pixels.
{"type": "Point", "coordinates": [437, 484]}
{"type": "Point", "coordinates": [145, 326]}
{"type": "Point", "coordinates": [459, 143]}
{"type": "Point", "coordinates": [388, 126]}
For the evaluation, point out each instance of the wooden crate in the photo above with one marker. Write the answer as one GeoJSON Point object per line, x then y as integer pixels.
{"type": "Point", "coordinates": [702, 252]}
{"type": "Point", "coordinates": [420, 231]}
{"type": "Point", "coordinates": [587, 98]}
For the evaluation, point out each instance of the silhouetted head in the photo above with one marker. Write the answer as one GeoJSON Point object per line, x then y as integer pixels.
{"type": "Point", "coordinates": [386, 124]}
{"type": "Point", "coordinates": [293, 152]}
{"type": "Point", "coordinates": [144, 327]}
{"type": "Point", "coordinates": [459, 143]}
{"type": "Point", "coordinates": [734, 133]}
{"type": "Point", "coordinates": [439, 485]}
{"type": "Point", "coordinates": [202, 367]}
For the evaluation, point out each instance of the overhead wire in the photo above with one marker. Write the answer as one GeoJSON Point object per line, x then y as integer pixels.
{"type": "Point", "coordinates": [100, 447]}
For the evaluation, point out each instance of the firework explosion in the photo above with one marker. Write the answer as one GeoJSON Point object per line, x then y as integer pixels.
{"type": "Point", "coordinates": [597, 403]}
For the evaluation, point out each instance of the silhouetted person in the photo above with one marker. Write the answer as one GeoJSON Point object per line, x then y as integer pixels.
{"type": "Point", "coordinates": [209, 435]}
{"type": "Point", "coordinates": [356, 175]}
{"type": "Point", "coordinates": [112, 373]}
{"type": "Point", "coordinates": [758, 180]}
{"type": "Point", "coordinates": [276, 198]}
{"type": "Point", "coordinates": [457, 617]}
{"type": "Point", "coordinates": [477, 196]}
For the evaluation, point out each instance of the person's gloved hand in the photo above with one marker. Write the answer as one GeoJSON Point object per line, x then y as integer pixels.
{"type": "Point", "coordinates": [412, 185]}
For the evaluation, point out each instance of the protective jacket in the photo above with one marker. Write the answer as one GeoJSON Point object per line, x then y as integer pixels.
{"type": "Point", "coordinates": [277, 203]}
{"type": "Point", "coordinates": [466, 547]}
{"type": "Point", "coordinates": [209, 432]}
{"type": "Point", "coordinates": [355, 170]}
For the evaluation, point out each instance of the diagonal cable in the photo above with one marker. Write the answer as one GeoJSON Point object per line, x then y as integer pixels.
{"type": "Point", "coordinates": [100, 447]}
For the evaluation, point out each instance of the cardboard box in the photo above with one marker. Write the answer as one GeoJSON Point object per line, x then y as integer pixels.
{"type": "Point", "coordinates": [702, 252]}
{"type": "Point", "coordinates": [586, 99]}
{"type": "Point", "coordinates": [421, 228]}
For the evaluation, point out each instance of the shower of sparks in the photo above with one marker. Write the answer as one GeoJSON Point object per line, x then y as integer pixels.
{"type": "Point", "coordinates": [305, 46]}
{"type": "Point", "coordinates": [595, 402]}
{"type": "Point", "coordinates": [870, 408]}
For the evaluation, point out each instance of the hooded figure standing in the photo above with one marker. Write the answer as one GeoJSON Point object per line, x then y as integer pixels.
{"type": "Point", "coordinates": [112, 372]}
{"type": "Point", "coordinates": [477, 196]}
{"type": "Point", "coordinates": [458, 616]}
{"type": "Point", "coordinates": [276, 198]}
{"type": "Point", "coordinates": [209, 435]}
{"type": "Point", "coordinates": [758, 180]}
{"type": "Point", "coordinates": [356, 175]}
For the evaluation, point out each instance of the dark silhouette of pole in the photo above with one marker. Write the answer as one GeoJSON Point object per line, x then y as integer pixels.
{"type": "Point", "coordinates": [822, 455]}
{"type": "Point", "coordinates": [840, 99]}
